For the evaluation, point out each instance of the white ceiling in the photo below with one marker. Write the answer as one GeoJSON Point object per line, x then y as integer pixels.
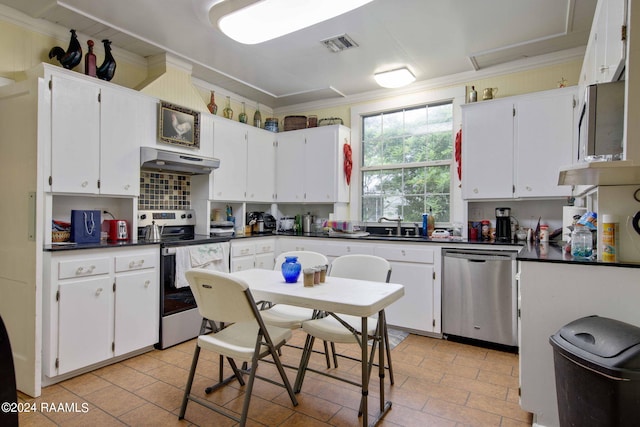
{"type": "Point", "coordinates": [434, 38]}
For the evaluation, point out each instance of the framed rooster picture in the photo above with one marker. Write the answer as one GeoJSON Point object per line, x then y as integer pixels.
{"type": "Point", "coordinates": [179, 125]}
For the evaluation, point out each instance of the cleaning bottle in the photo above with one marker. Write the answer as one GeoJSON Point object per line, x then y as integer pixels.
{"type": "Point", "coordinates": [431, 223]}
{"type": "Point", "coordinates": [610, 238]}
{"type": "Point", "coordinates": [425, 221]}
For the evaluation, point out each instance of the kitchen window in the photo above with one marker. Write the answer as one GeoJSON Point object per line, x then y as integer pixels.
{"type": "Point", "coordinates": [407, 162]}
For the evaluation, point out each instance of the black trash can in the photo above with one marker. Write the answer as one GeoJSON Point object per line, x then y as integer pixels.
{"type": "Point", "coordinates": [597, 369]}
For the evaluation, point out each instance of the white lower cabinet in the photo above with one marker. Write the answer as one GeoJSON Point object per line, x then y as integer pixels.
{"type": "Point", "coordinates": [413, 265]}
{"type": "Point", "coordinates": [98, 304]}
{"type": "Point", "coordinates": [136, 302]}
{"type": "Point", "coordinates": [253, 253]}
{"type": "Point", "coordinates": [85, 323]}
{"type": "Point", "coordinates": [414, 268]}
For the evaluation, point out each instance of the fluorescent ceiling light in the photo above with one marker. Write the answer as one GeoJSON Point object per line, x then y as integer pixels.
{"type": "Point", "coordinates": [263, 20]}
{"type": "Point", "coordinates": [395, 78]}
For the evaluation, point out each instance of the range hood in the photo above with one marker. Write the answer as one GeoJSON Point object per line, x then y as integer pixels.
{"type": "Point", "coordinates": [171, 161]}
{"type": "Point", "coordinates": [619, 172]}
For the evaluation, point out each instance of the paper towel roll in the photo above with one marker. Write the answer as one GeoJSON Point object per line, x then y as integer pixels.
{"type": "Point", "coordinates": [568, 212]}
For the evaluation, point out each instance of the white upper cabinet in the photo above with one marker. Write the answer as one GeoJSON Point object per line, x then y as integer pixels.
{"type": "Point", "coordinates": [544, 135]}
{"type": "Point", "coordinates": [605, 56]}
{"type": "Point", "coordinates": [126, 121]}
{"type": "Point", "coordinates": [261, 160]}
{"type": "Point", "coordinates": [290, 167]}
{"type": "Point", "coordinates": [514, 147]}
{"type": "Point", "coordinates": [96, 132]}
{"type": "Point", "coordinates": [487, 150]}
{"type": "Point", "coordinates": [247, 163]}
{"type": "Point", "coordinates": [310, 165]}
{"type": "Point", "coordinates": [230, 146]}
{"type": "Point", "coordinates": [75, 136]}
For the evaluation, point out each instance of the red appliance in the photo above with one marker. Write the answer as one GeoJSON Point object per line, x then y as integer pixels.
{"type": "Point", "coordinates": [117, 229]}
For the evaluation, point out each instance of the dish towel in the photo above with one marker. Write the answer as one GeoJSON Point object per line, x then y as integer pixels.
{"type": "Point", "coordinates": [212, 256]}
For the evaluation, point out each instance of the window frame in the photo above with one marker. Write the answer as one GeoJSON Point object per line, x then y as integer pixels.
{"type": "Point", "coordinates": [455, 95]}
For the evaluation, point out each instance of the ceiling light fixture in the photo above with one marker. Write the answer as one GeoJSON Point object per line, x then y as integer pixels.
{"type": "Point", "coordinates": [395, 78]}
{"type": "Point", "coordinates": [262, 20]}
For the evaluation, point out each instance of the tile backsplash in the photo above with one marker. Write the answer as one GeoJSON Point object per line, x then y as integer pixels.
{"type": "Point", "coordinates": [164, 191]}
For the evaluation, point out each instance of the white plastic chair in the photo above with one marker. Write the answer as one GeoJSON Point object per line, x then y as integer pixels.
{"type": "Point", "coordinates": [362, 267]}
{"type": "Point", "coordinates": [225, 299]}
{"type": "Point", "coordinates": [289, 316]}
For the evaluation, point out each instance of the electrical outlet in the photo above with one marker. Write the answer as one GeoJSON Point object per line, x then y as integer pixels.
{"type": "Point", "coordinates": [475, 214]}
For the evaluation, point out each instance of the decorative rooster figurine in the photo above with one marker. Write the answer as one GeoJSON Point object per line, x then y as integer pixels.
{"type": "Point", "coordinates": [108, 68]}
{"type": "Point", "coordinates": [72, 56]}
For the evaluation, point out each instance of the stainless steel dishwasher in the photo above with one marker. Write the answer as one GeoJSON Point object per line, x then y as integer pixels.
{"type": "Point", "coordinates": [479, 295]}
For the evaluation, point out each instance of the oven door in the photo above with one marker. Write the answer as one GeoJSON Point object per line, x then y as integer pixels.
{"type": "Point", "coordinates": [172, 300]}
{"type": "Point", "coordinates": [179, 317]}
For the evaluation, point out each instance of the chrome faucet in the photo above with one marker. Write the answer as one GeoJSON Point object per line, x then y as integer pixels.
{"type": "Point", "coordinates": [398, 220]}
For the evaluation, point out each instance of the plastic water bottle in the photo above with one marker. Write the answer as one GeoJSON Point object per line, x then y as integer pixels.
{"type": "Point", "coordinates": [425, 220]}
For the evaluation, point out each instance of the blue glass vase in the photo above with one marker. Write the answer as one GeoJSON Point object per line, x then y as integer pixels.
{"type": "Point", "coordinates": [291, 269]}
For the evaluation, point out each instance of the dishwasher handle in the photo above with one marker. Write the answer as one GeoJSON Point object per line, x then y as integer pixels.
{"type": "Point", "coordinates": [481, 256]}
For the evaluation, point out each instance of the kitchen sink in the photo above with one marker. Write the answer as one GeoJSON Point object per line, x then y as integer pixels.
{"type": "Point", "coordinates": [394, 237]}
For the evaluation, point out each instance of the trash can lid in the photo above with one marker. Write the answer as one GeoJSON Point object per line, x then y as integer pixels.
{"type": "Point", "coordinates": [601, 336]}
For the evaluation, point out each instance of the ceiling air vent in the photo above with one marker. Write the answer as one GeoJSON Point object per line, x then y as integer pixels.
{"type": "Point", "coordinates": [339, 43]}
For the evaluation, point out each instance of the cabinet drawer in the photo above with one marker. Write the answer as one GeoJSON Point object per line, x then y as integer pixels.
{"type": "Point", "coordinates": [244, 263]}
{"type": "Point", "coordinates": [265, 246]}
{"type": "Point", "coordinates": [404, 253]}
{"type": "Point", "coordinates": [83, 268]}
{"type": "Point", "coordinates": [243, 249]}
{"type": "Point", "coordinates": [340, 249]}
{"type": "Point", "coordinates": [136, 261]}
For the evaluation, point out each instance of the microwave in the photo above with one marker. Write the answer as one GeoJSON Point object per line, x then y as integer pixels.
{"type": "Point", "coordinates": [601, 122]}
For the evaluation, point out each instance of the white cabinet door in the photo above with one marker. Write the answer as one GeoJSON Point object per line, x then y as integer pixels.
{"type": "Point", "coordinates": [242, 263]}
{"type": "Point", "coordinates": [75, 136]}
{"type": "Point", "coordinates": [125, 121]}
{"type": "Point", "coordinates": [310, 165]}
{"type": "Point", "coordinates": [230, 146]}
{"type": "Point", "coordinates": [415, 309]}
{"type": "Point", "coordinates": [261, 171]}
{"type": "Point", "coordinates": [320, 172]}
{"type": "Point", "coordinates": [265, 261]}
{"type": "Point", "coordinates": [85, 323]}
{"type": "Point", "coordinates": [544, 136]}
{"type": "Point", "coordinates": [613, 57]}
{"type": "Point", "coordinates": [290, 164]}
{"type": "Point", "coordinates": [487, 150]}
{"type": "Point", "coordinates": [136, 311]}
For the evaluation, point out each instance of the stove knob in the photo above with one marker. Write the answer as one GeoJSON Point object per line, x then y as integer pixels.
{"type": "Point", "coordinates": [189, 216]}
{"type": "Point", "coordinates": [183, 216]}
{"type": "Point", "coordinates": [143, 216]}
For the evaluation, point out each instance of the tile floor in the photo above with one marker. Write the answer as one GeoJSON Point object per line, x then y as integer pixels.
{"type": "Point", "coordinates": [437, 383]}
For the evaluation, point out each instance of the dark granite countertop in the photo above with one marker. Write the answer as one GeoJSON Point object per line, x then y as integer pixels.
{"type": "Point", "coordinates": [535, 252]}
{"type": "Point", "coordinates": [555, 252]}
{"type": "Point", "coordinates": [198, 239]}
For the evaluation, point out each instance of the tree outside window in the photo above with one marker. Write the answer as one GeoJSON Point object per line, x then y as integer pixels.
{"type": "Point", "coordinates": [406, 164]}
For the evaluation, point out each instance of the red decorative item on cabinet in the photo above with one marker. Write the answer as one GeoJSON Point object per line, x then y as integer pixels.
{"type": "Point", "coordinates": [90, 61]}
{"type": "Point", "coordinates": [458, 153]}
{"type": "Point", "coordinates": [348, 162]}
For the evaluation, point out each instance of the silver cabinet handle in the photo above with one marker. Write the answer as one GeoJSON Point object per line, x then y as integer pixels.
{"type": "Point", "coordinates": [138, 264]}
{"type": "Point", "coordinates": [81, 270]}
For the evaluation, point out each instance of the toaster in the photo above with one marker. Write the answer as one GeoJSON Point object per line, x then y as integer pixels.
{"type": "Point", "coordinates": [118, 229]}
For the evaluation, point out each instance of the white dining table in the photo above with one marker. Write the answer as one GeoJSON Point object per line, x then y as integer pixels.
{"type": "Point", "coordinates": [361, 298]}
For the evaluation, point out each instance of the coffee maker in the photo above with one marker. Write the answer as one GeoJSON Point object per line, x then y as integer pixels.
{"type": "Point", "coordinates": [503, 224]}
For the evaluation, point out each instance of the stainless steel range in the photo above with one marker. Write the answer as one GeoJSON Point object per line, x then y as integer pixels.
{"type": "Point", "coordinates": [179, 317]}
